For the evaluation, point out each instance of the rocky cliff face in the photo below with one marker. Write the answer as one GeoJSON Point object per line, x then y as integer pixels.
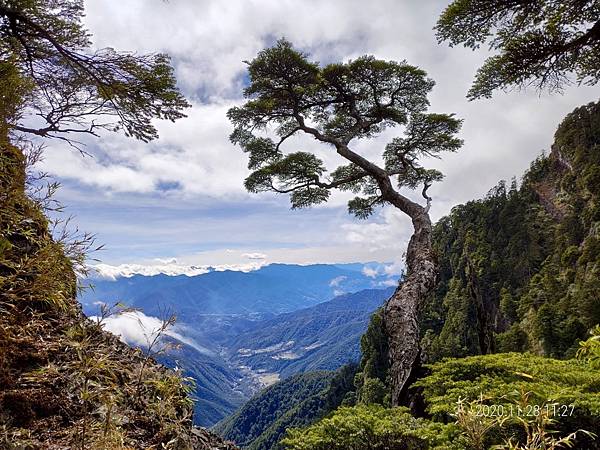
{"type": "Point", "coordinates": [65, 382]}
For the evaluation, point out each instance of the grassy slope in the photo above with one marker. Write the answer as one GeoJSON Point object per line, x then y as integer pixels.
{"type": "Point", "coordinates": [64, 382]}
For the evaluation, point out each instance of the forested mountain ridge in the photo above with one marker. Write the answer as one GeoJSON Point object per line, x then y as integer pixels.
{"type": "Point", "coordinates": [294, 402]}
{"type": "Point", "coordinates": [520, 272]}
{"type": "Point", "coordinates": [520, 269]}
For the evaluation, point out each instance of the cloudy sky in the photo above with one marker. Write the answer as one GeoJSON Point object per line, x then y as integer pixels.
{"type": "Point", "coordinates": [182, 195]}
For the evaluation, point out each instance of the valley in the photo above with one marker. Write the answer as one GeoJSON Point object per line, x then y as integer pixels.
{"type": "Point", "coordinates": [233, 161]}
{"type": "Point", "coordinates": [239, 332]}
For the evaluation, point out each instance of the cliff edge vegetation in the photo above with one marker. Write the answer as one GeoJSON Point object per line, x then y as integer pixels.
{"type": "Point", "coordinates": [507, 331]}
{"type": "Point", "coordinates": [65, 383]}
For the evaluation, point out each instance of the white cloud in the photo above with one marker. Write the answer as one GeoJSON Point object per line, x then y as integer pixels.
{"type": "Point", "coordinates": [394, 269]}
{"type": "Point", "coordinates": [107, 271]}
{"type": "Point", "coordinates": [193, 158]}
{"type": "Point", "coordinates": [167, 260]}
{"type": "Point", "coordinates": [209, 41]}
{"type": "Point", "coordinates": [193, 161]}
{"type": "Point", "coordinates": [390, 270]}
{"type": "Point", "coordinates": [137, 329]}
{"type": "Point", "coordinates": [370, 272]}
{"type": "Point", "coordinates": [337, 280]}
{"type": "Point", "coordinates": [254, 255]}
{"type": "Point", "coordinates": [390, 229]}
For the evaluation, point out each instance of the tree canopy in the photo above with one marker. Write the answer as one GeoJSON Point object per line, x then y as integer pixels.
{"type": "Point", "coordinates": [540, 43]}
{"type": "Point", "coordinates": [74, 88]}
{"type": "Point", "coordinates": [337, 104]}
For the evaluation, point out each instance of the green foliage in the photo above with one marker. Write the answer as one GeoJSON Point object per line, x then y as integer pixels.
{"type": "Point", "coordinates": [520, 268]}
{"type": "Point", "coordinates": [372, 390]}
{"type": "Point", "coordinates": [336, 104]}
{"type": "Point", "coordinates": [294, 402]}
{"type": "Point", "coordinates": [374, 365]}
{"type": "Point", "coordinates": [487, 251]}
{"type": "Point", "coordinates": [564, 394]}
{"type": "Point", "coordinates": [76, 89]}
{"type": "Point", "coordinates": [373, 427]}
{"type": "Point", "coordinates": [519, 424]}
{"type": "Point", "coordinates": [13, 90]}
{"type": "Point", "coordinates": [540, 43]}
{"type": "Point", "coordinates": [299, 167]}
{"type": "Point", "coordinates": [258, 418]}
{"type": "Point", "coordinates": [501, 401]}
{"type": "Point", "coordinates": [514, 339]}
{"type": "Point", "coordinates": [25, 243]}
{"type": "Point", "coordinates": [589, 350]}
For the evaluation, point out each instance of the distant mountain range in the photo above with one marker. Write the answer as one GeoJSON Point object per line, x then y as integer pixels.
{"type": "Point", "coordinates": [241, 331]}
{"type": "Point", "coordinates": [272, 289]}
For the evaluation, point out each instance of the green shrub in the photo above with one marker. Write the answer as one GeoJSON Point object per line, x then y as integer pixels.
{"type": "Point", "coordinates": [566, 392]}
{"type": "Point", "coordinates": [373, 427]}
{"type": "Point", "coordinates": [373, 391]}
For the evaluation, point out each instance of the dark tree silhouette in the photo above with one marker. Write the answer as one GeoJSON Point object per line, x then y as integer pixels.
{"type": "Point", "coordinates": [538, 42]}
{"type": "Point", "coordinates": [73, 89]}
{"type": "Point", "coordinates": [338, 104]}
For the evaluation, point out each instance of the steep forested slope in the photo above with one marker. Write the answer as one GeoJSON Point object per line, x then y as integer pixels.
{"type": "Point", "coordinates": [521, 268]}
{"type": "Point", "coordinates": [520, 271]}
{"type": "Point", "coordinates": [297, 401]}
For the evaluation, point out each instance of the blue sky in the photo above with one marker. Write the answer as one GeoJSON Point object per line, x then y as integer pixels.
{"type": "Point", "coordinates": [182, 195]}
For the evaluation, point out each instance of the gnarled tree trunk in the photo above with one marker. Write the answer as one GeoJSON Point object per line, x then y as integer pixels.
{"type": "Point", "coordinates": [401, 313]}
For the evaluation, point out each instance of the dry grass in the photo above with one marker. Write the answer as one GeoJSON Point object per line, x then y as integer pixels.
{"type": "Point", "coordinates": [64, 382]}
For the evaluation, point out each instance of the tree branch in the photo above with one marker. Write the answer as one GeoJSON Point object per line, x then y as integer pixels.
{"type": "Point", "coordinates": [380, 175]}
{"type": "Point", "coordinates": [426, 186]}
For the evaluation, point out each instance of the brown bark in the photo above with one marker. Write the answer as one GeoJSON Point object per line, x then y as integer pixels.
{"type": "Point", "coordinates": [401, 313]}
